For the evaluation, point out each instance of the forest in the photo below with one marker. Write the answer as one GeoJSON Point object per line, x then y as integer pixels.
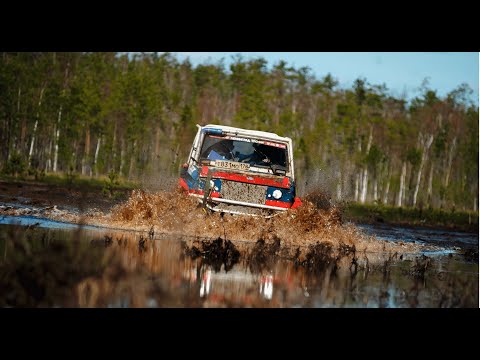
{"type": "Point", "coordinates": [100, 113]}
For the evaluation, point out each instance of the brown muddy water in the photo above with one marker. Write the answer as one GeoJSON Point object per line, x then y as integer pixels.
{"type": "Point", "coordinates": [46, 263]}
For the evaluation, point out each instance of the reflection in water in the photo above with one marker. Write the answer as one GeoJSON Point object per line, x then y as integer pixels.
{"type": "Point", "coordinates": [206, 281]}
{"type": "Point", "coordinates": [47, 268]}
{"type": "Point", "coordinates": [266, 286]}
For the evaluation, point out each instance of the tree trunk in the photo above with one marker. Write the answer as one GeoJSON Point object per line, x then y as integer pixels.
{"type": "Point", "coordinates": [276, 116]}
{"type": "Point", "coordinates": [157, 142]}
{"type": "Point", "coordinates": [122, 156]}
{"type": "Point", "coordinates": [86, 152]}
{"type": "Point", "coordinates": [450, 158]}
{"type": "Point", "coordinates": [114, 150]}
{"type": "Point", "coordinates": [73, 160]}
{"type": "Point", "coordinates": [18, 100]}
{"type": "Point", "coordinates": [356, 186]}
{"type": "Point", "coordinates": [55, 155]}
{"type": "Point", "coordinates": [215, 107]}
{"type": "Point", "coordinates": [426, 146]}
{"type": "Point", "coordinates": [387, 189]}
{"type": "Point", "coordinates": [402, 184]}
{"type": "Point", "coordinates": [23, 135]}
{"type": "Point", "coordinates": [132, 161]}
{"type": "Point", "coordinates": [96, 156]}
{"type": "Point", "coordinates": [175, 155]}
{"type": "Point", "coordinates": [18, 119]}
{"type": "Point", "coordinates": [429, 190]}
{"type": "Point", "coordinates": [56, 137]}
{"type": "Point", "coordinates": [324, 155]}
{"type": "Point", "coordinates": [48, 165]}
{"type": "Point", "coordinates": [363, 195]}
{"type": "Point", "coordinates": [375, 185]}
{"type": "Point", "coordinates": [339, 185]}
{"type": "Point", "coordinates": [30, 153]}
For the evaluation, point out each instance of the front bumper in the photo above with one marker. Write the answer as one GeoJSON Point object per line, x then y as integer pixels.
{"type": "Point", "coordinates": [239, 207]}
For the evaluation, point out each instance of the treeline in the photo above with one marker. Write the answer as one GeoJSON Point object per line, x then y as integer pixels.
{"type": "Point", "coordinates": [100, 113]}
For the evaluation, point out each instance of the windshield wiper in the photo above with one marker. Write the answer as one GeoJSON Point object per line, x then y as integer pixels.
{"type": "Point", "coordinates": [268, 162]}
{"type": "Point", "coordinates": [276, 168]}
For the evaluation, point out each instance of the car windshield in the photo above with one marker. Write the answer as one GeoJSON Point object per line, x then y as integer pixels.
{"type": "Point", "coordinates": [260, 153]}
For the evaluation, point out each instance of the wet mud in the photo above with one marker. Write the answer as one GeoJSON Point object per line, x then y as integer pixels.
{"type": "Point", "coordinates": [318, 220]}
{"type": "Point", "coordinates": [163, 249]}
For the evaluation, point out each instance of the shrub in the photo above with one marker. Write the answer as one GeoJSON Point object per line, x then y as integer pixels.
{"type": "Point", "coordinates": [111, 183]}
{"type": "Point", "coordinates": [15, 165]}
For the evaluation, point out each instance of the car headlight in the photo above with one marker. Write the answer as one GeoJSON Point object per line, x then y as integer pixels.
{"type": "Point", "coordinates": [277, 194]}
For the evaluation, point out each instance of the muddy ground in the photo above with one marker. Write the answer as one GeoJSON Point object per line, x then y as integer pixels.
{"type": "Point", "coordinates": [296, 232]}
{"type": "Point", "coordinates": [36, 194]}
{"type": "Point", "coordinates": [305, 257]}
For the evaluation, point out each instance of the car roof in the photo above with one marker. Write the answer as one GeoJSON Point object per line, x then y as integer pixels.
{"type": "Point", "coordinates": [241, 131]}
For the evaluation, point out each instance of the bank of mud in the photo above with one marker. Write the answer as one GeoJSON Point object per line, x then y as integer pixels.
{"type": "Point", "coordinates": [73, 197]}
{"type": "Point", "coordinates": [450, 220]}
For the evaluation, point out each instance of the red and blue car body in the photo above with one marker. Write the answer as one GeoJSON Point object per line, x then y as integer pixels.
{"type": "Point", "coordinates": [239, 171]}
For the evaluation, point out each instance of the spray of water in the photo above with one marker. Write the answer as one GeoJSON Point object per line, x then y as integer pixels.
{"type": "Point", "coordinates": [335, 181]}
{"type": "Point", "coordinates": [318, 220]}
{"type": "Point", "coordinates": [162, 207]}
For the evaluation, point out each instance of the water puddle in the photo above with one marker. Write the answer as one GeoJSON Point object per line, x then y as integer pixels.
{"type": "Point", "coordinates": [162, 250]}
{"type": "Point", "coordinates": [46, 263]}
{"type": "Point", "coordinates": [421, 235]}
{"type": "Point", "coordinates": [32, 221]}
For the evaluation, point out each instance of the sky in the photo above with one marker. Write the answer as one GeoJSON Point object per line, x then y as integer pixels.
{"type": "Point", "coordinates": [402, 72]}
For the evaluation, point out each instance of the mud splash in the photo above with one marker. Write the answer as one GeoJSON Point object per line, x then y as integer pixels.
{"type": "Point", "coordinates": [215, 253]}
{"type": "Point", "coordinates": [318, 220]}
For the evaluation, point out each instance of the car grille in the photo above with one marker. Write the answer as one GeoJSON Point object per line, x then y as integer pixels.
{"type": "Point", "coordinates": [238, 191]}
